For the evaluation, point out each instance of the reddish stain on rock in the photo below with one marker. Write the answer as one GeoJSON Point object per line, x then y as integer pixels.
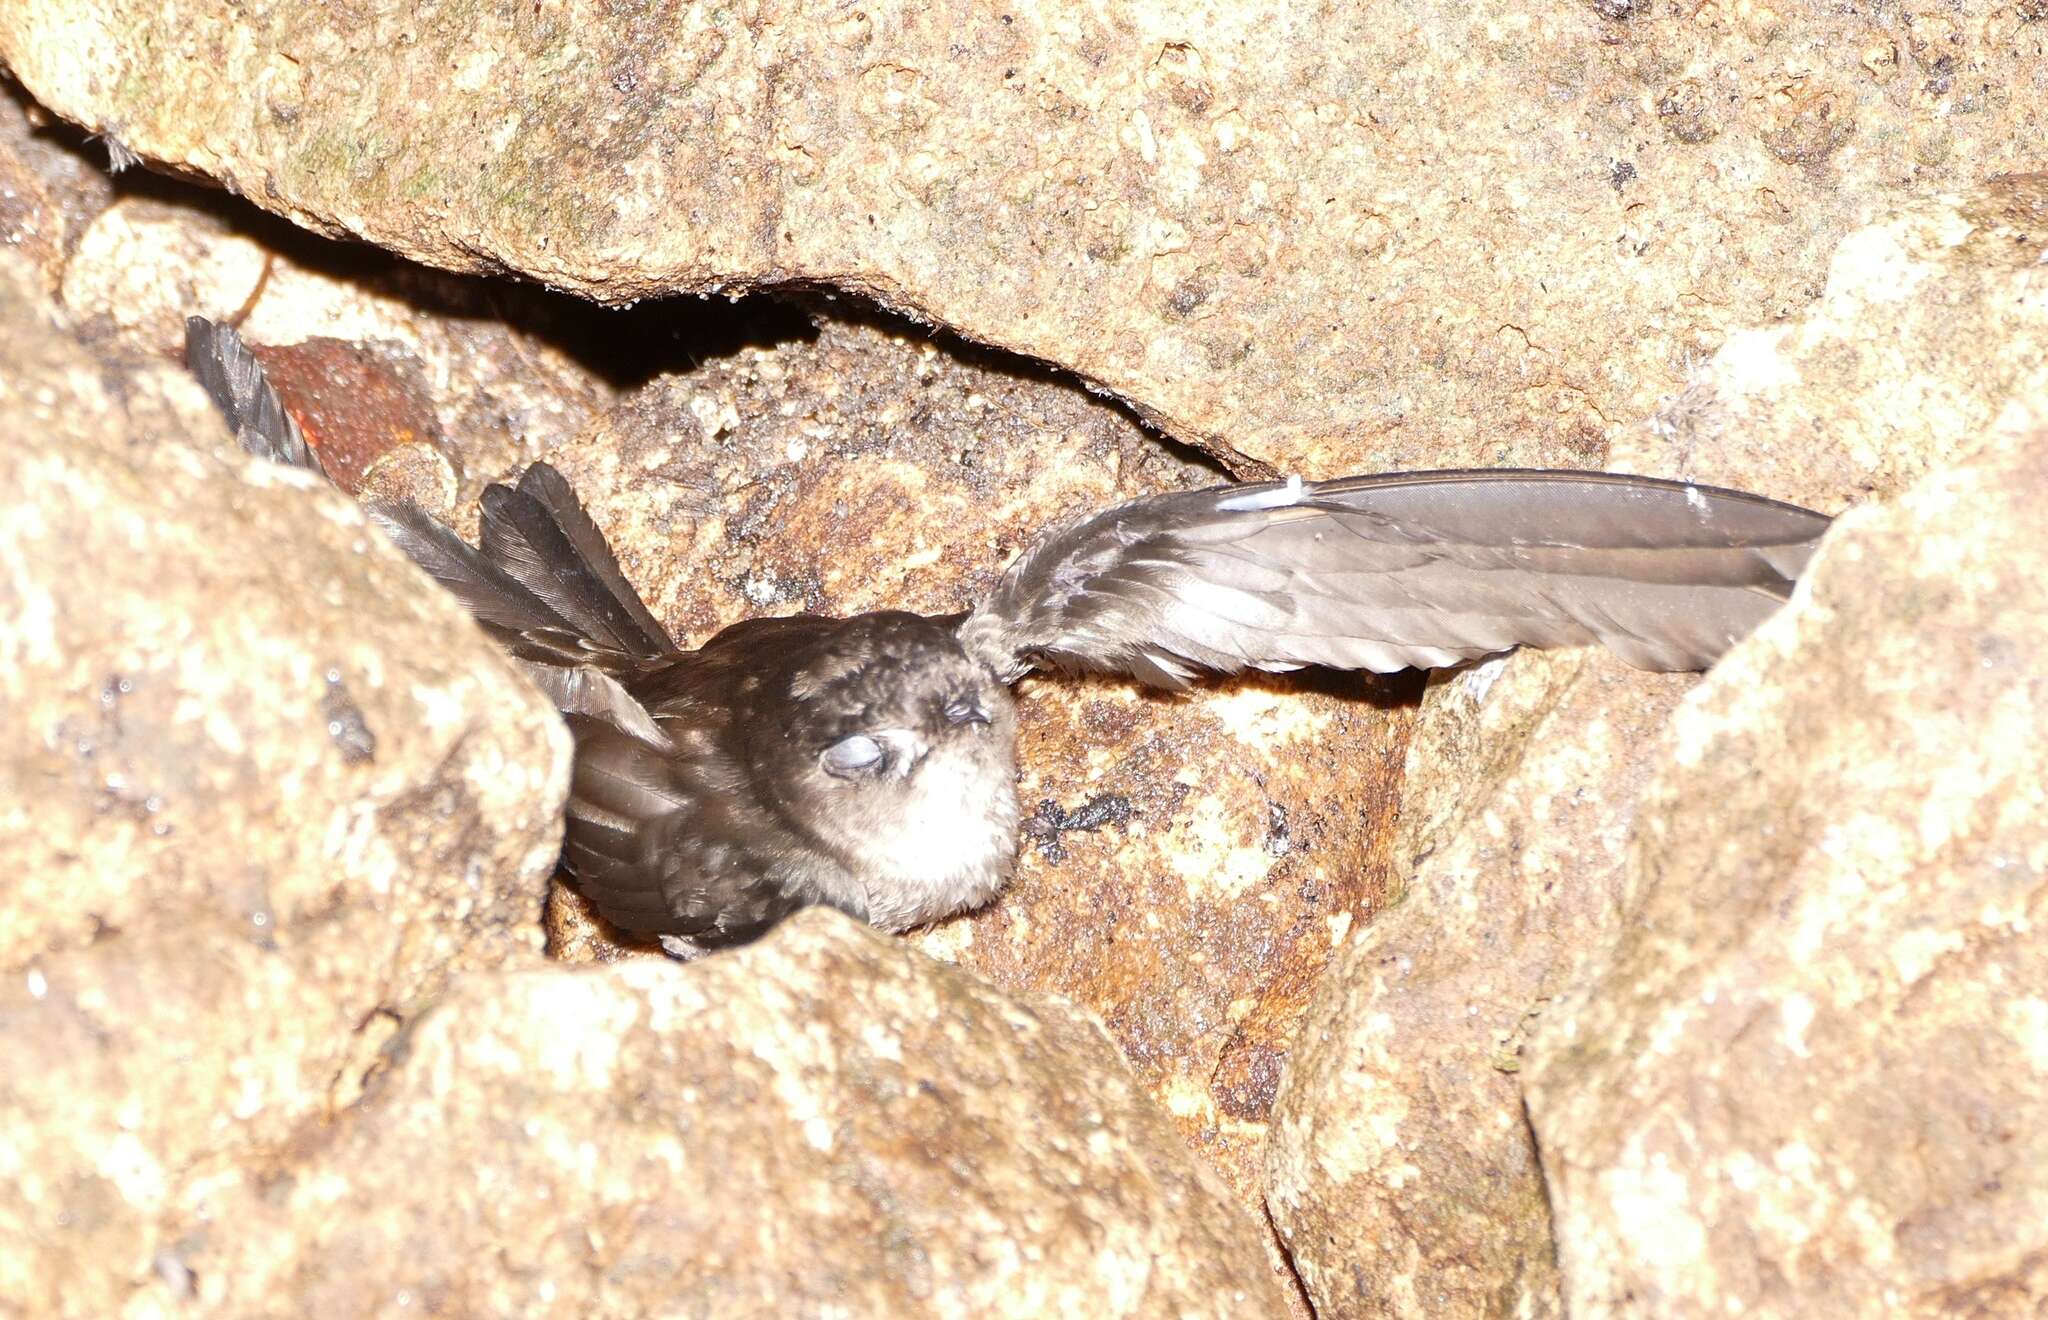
{"type": "Point", "coordinates": [357, 404]}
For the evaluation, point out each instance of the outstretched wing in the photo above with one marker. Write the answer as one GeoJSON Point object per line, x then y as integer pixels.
{"type": "Point", "coordinates": [1413, 569]}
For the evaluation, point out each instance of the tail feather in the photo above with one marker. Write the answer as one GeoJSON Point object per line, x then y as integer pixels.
{"type": "Point", "coordinates": [573, 653]}
{"type": "Point", "coordinates": [498, 600]}
{"type": "Point", "coordinates": [548, 486]}
{"type": "Point", "coordinates": [234, 379]}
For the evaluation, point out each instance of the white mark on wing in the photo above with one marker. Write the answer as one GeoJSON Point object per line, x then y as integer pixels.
{"type": "Point", "coordinates": [1278, 498]}
{"type": "Point", "coordinates": [1480, 678]}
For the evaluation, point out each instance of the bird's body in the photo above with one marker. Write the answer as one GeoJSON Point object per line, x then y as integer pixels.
{"type": "Point", "coordinates": [734, 818]}
{"type": "Point", "coordinates": [868, 763]}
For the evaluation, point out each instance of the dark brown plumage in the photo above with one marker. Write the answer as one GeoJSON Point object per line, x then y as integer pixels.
{"type": "Point", "coordinates": [867, 763]}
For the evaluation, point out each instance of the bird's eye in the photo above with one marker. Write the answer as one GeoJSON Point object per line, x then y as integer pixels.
{"type": "Point", "coordinates": [850, 756]}
{"type": "Point", "coordinates": [966, 710]}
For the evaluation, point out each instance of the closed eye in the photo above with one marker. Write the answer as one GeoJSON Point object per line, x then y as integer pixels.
{"type": "Point", "coordinates": [966, 710]}
{"type": "Point", "coordinates": [853, 755]}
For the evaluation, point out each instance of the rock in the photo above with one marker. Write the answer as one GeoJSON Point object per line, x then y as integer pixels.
{"type": "Point", "coordinates": [825, 1121]}
{"type": "Point", "coordinates": [1809, 1077]}
{"type": "Point", "coordinates": [49, 191]}
{"type": "Point", "coordinates": [1192, 859]}
{"type": "Point", "coordinates": [455, 380]}
{"type": "Point", "coordinates": [1300, 237]}
{"type": "Point", "coordinates": [451, 383]}
{"type": "Point", "coordinates": [1189, 869]}
{"type": "Point", "coordinates": [267, 789]}
{"type": "Point", "coordinates": [1932, 324]}
{"type": "Point", "coordinates": [1400, 1172]}
{"type": "Point", "coordinates": [862, 467]}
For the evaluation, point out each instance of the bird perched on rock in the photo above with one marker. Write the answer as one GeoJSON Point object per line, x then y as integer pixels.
{"type": "Point", "coordinates": [868, 762]}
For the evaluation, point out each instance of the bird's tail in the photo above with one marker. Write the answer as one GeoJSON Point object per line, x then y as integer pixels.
{"type": "Point", "coordinates": [543, 582]}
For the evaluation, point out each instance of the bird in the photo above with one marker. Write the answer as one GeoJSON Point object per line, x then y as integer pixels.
{"type": "Point", "coordinates": [868, 763]}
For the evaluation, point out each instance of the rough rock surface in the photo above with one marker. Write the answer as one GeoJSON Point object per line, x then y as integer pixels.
{"type": "Point", "coordinates": [1193, 865]}
{"type": "Point", "coordinates": [1400, 1171]}
{"type": "Point", "coordinates": [439, 382]}
{"type": "Point", "coordinates": [1934, 321]}
{"type": "Point", "coordinates": [1402, 1174]}
{"type": "Point", "coordinates": [265, 789]}
{"type": "Point", "coordinates": [1303, 238]}
{"type": "Point", "coordinates": [50, 189]}
{"type": "Point", "coordinates": [1810, 1077]}
{"type": "Point", "coordinates": [862, 467]}
{"type": "Point", "coordinates": [439, 377]}
{"type": "Point", "coordinates": [1414, 233]}
{"type": "Point", "coordinates": [826, 1122]}
{"type": "Point", "coordinates": [1191, 860]}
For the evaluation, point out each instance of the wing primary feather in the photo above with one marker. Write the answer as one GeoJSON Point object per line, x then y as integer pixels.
{"type": "Point", "coordinates": [1398, 569]}
{"type": "Point", "coordinates": [522, 536]}
{"type": "Point", "coordinates": [239, 387]}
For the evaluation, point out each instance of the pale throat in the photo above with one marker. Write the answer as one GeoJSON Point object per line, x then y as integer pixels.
{"type": "Point", "coordinates": [947, 838]}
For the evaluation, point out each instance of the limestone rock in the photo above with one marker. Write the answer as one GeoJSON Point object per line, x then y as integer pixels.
{"type": "Point", "coordinates": [826, 1121]}
{"type": "Point", "coordinates": [1297, 235]}
{"type": "Point", "coordinates": [1400, 1171]}
{"type": "Point", "coordinates": [1809, 1077]}
{"type": "Point", "coordinates": [1933, 322]}
{"type": "Point", "coordinates": [265, 789]}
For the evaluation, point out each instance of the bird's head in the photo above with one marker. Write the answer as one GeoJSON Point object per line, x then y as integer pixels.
{"type": "Point", "coordinates": [880, 695]}
{"type": "Point", "coordinates": [907, 751]}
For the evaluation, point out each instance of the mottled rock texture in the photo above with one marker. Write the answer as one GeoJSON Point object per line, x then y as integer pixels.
{"type": "Point", "coordinates": [1934, 322]}
{"type": "Point", "coordinates": [265, 789]}
{"type": "Point", "coordinates": [1810, 1076]}
{"type": "Point", "coordinates": [1400, 1170]}
{"type": "Point", "coordinates": [399, 371]}
{"type": "Point", "coordinates": [422, 383]}
{"type": "Point", "coordinates": [823, 1123]}
{"type": "Point", "coordinates": [1298, 235]}
{"type": "Point", "coordinates": [1324, 239]}
{"type": "Point", "coordinates": [50, 188]}
{"type": "Point", "coordinates": [1199, 861]}
{"type": "Point", "coordinates": [860, 467]}
{"type": "Point", "coordinates": [1403, 1177]}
